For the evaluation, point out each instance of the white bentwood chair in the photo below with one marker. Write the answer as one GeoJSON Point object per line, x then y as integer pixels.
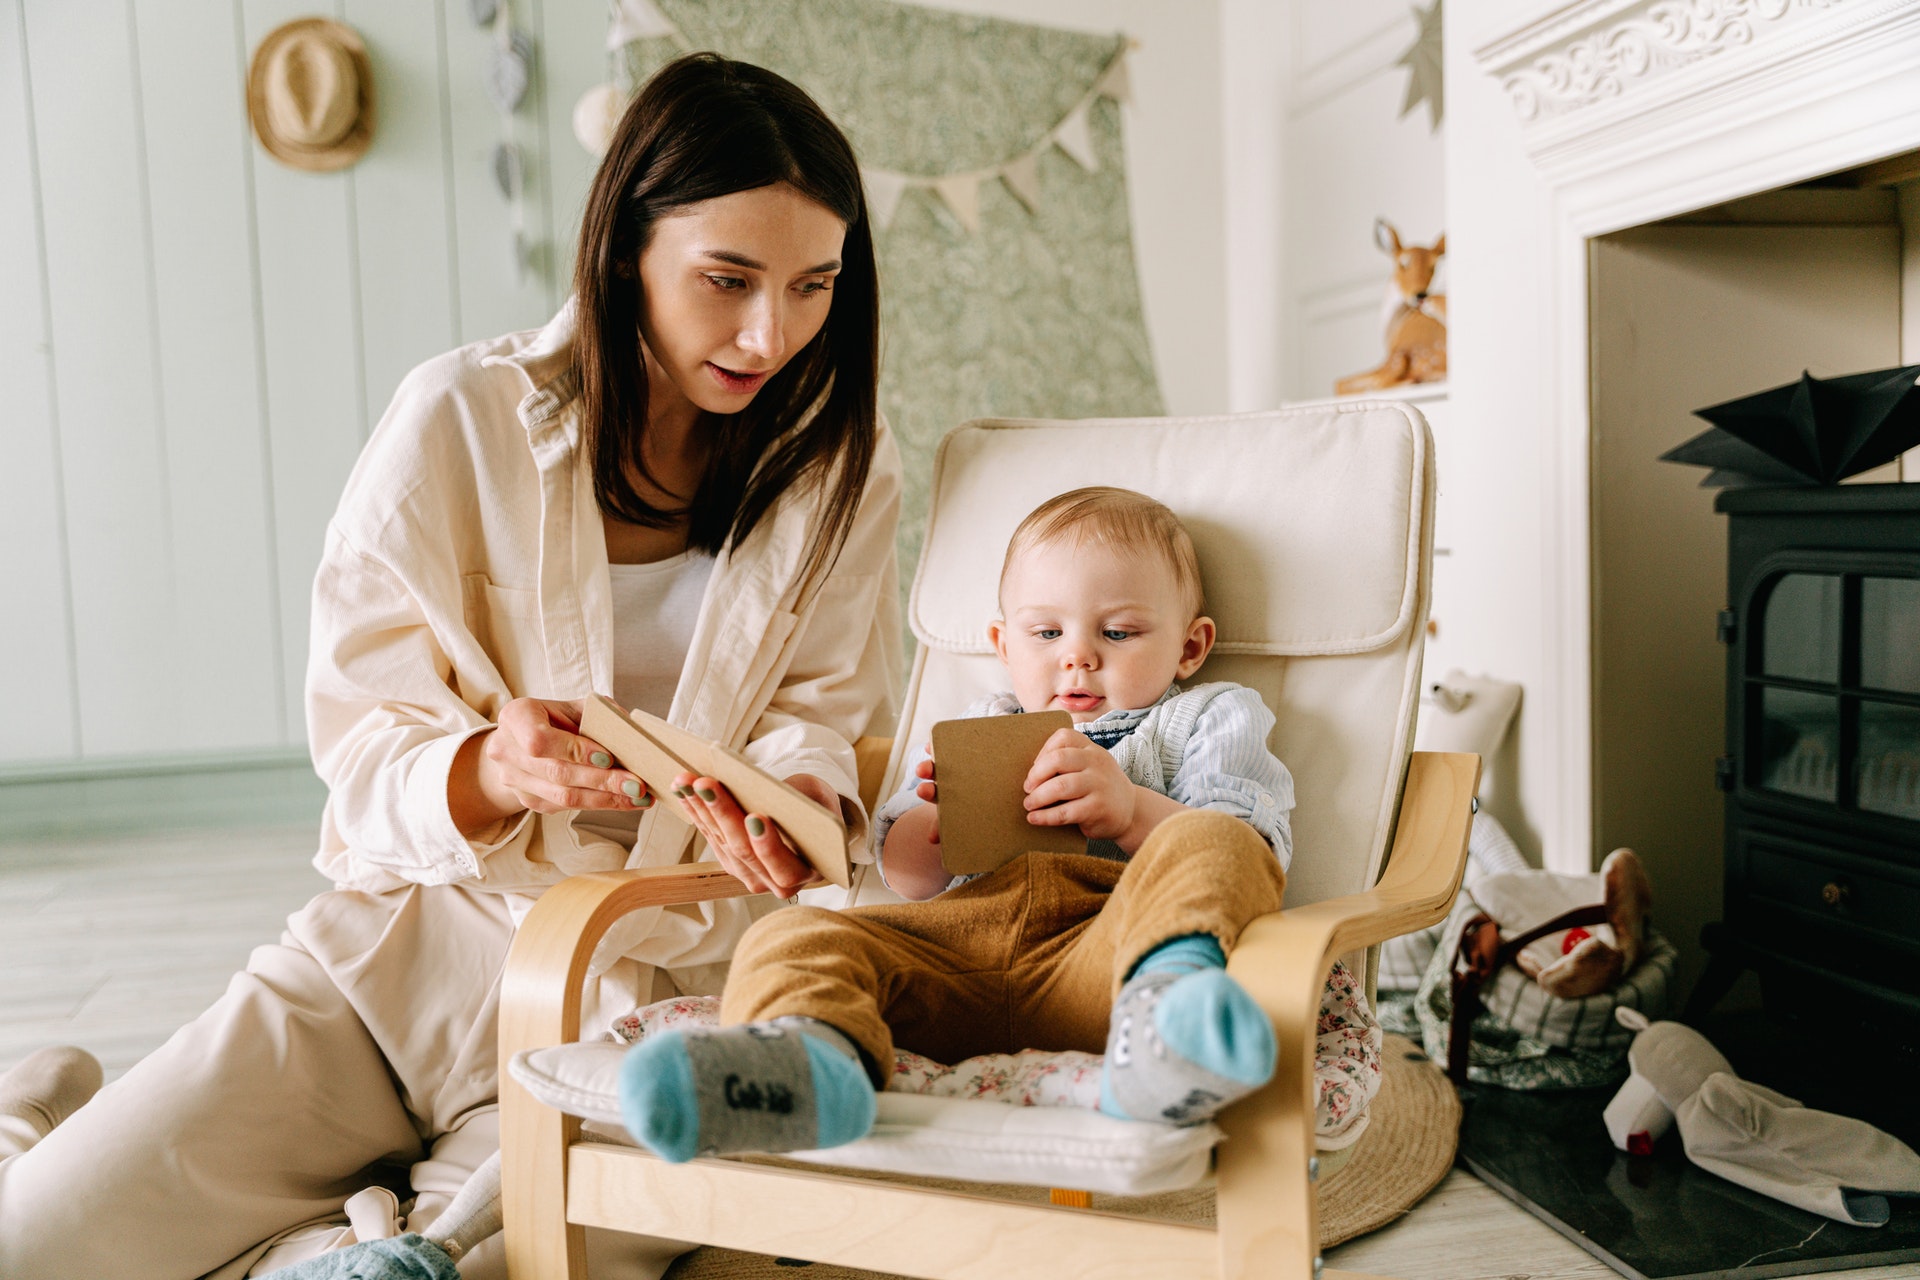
{"type": "Point", "coordinates": [1314, 528]}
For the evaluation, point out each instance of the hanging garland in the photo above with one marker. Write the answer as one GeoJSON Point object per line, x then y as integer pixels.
{"type": "Point", "coordinates": [507, 76]}
{"type": "Point", "coordinates": [598, 112]}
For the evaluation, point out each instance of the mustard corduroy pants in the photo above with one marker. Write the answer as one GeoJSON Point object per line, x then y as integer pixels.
{"type": "Point", "coordinates": [1028, 957]}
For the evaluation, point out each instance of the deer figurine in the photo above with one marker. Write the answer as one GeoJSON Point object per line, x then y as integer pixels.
{"type": "Point", "coordinates": [1415, 321]}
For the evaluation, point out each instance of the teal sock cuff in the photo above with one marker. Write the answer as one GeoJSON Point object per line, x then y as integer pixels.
{"type": "Point", "coordinates": [1186, 953]}
{"type": "Point", "coordinates": [1210, 1020]}
{"type": "Point", "coordinates": [657, 1096]}
{"type": "Point", "coordinates": [842, 1094]}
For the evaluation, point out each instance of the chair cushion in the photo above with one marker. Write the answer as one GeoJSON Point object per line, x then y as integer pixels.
{"type": "Point", "coordinates": [932, 1137]}
{"type": "Point", "coordinates": [1310, 542]}
{"type": "Point", "coordinates": [1313, 527]}
{"type": "Point", "coordinates": [957, 1122]}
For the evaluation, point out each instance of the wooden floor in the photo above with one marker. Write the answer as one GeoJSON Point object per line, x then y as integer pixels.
{"type": "Point", "coordinates": [112, 943]}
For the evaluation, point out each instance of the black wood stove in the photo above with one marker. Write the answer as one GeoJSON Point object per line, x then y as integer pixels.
{"type": "Point", "coordinates": [1822, 771]}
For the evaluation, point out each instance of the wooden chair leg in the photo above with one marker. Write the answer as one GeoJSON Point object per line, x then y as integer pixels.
{"type": "Point", "coordinates": [540, 1006]}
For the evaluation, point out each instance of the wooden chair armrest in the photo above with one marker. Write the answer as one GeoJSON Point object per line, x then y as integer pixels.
{"type": "Point", "coordinates": [540, 996]}
{"type": "Point", "coordinates": [870, 756]}
{"type": "Point", "coordinates": [1267, 1214]}
{"type": "Point", "coordinates": [547, 964]}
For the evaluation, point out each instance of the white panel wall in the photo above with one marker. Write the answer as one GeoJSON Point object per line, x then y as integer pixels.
{"type": "Point", "coordinates": [197, 340]}
{"type": "Point", "coordinates": [36, 630]}
{"type": "Point", "coordinates": [1349, 158]}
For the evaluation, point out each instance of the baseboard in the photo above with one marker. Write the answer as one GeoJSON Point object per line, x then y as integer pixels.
{"type": "Point", "coordinates": [108, 797]}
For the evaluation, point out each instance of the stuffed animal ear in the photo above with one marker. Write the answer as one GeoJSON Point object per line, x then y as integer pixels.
{"type": "Point", "coordinates": [1386, 238]}
{"type": "Point", "coordinates": [1628, 896]}
{"type": "Point", "coordinates": [1440, 245]}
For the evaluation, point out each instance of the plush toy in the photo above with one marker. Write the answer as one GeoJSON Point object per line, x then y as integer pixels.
{"type": "Point", "coordinates": [1582, 962]}
{"type": "Point", "coordinates": [1579, 960]}
{"type": "Point", "coordinates": [1545, 958]}
{"type": "Point", "coordinates": [1414, 318]}
{"type": "Point", "coordinates": [1832, 1165]}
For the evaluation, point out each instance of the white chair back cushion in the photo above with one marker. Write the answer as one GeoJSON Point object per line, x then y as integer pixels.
{"type": "Point", "coordinates": [1314, 529]}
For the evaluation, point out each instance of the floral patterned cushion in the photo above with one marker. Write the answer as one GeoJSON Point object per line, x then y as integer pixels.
{"type": "Point", "coordinates": [1347, 1062]}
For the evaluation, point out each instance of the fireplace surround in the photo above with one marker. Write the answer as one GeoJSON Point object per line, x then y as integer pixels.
{"type": "Point", "coordinates": [1570, 122]}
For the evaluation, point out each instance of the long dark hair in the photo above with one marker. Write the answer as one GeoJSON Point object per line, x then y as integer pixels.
{"type": "Point", "coordinates": [707, 126]}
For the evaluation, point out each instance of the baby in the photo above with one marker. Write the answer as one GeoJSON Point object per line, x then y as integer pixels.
{"type": "Point", "coordinates": [1121, 949]}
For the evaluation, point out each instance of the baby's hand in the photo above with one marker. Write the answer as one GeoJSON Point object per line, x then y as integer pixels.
{"type": "Point", "coordinates": [1075, 782]}
{"type": "Point", "coordinates": [928, 791]}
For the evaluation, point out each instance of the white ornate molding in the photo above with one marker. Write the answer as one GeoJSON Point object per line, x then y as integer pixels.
{"type": "Point", "coordinates": [1597, 50]}
{"type": "Point", "coordinates": [1658, 102]}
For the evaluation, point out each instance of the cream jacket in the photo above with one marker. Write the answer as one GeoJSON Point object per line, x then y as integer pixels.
{"type": "Point", "coordinates": [467, 566]}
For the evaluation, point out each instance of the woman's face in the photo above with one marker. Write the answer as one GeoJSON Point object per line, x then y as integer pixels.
{"type": "Point", "coordinates": [734, 287]}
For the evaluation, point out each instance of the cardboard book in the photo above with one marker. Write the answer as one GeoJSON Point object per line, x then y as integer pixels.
{"type": "Point", "coordinates": [656, 750]}
{"type": "Point", "coordinates": [980, 767]}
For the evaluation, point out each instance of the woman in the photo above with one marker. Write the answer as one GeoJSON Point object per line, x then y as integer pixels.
{"type": "Point", "coordinates": [678, 493]}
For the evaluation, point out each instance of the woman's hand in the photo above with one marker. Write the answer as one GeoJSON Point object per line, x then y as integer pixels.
{"type": "Point", "coordinates": [751, 848]}
{"type": "Point", "coordinates": [534, 758]}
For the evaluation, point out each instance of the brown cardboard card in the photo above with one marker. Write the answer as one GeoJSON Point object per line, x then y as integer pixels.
{"type": "Point", "coordinates": [980, 765]}
{"type": "Point", "coordinates": [656, 750]}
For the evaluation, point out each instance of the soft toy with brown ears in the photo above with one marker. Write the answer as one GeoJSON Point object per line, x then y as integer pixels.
{"type": "Point", "coordinates": [1571, 951]}
{"type": "Point", "coordinates": [1415, 317]}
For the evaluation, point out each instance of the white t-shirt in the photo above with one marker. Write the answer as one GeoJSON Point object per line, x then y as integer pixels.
{"type": "Point", "coordinates": [655, 607]}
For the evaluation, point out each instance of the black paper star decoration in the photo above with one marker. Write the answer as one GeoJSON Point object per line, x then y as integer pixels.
{"type": "Point", "coordinates": [1814, 431]}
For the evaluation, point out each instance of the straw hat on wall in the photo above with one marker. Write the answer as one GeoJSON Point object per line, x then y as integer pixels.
{"type": "Point", "coordinates": [310, 94]}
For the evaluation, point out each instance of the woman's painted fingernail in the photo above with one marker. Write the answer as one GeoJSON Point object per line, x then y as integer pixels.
{"type": "Point", "coordinates": [682, 792]}
{"type": "Point", "coordinates": [707, 794]}
{"type": "Point", "coordinates": [644, 802]}
{"type": "Point", "coordinates": [755, 827]}
{"type": "Point", "coordinates": [601, 760]}
{"type": "Point", "coordinates": [632, 788]}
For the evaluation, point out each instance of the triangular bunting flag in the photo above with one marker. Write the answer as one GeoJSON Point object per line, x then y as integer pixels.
{"type": "Point", "coordinates": [1022, 176]}
{"type": "Point", "coordinates": [961, 191]}
{"type": "Point", "coordinates": [1075, 137]}
{"type": "Point", "coordinates": [638, 20]}
{"type": "Point", "coordinates": [1116, 82]}
{"type": "Point", "coordinates": [884, 190]}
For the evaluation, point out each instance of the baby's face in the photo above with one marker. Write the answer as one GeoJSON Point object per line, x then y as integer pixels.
{"type": "Point", "coordinates": [1090, 629]}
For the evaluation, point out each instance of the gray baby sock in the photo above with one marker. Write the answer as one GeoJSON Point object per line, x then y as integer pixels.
{"type": "Point", "coordinates": [1184, 1039]}
{"type": "Point", "coordinates": [794, 1084]}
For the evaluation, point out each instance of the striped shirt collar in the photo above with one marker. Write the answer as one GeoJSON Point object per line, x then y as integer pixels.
{"type": "Point", "coordinates": [1111, 728]}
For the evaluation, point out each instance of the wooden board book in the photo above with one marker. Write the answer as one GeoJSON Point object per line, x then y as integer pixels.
{"type": "Point", "coordinates": [656, 750]}
{"type": "Point", "coordinates": [980, 765]}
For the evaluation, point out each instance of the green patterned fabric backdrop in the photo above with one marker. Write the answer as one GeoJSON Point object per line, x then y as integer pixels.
{"type": "Point", "coordinates": [1033, 315]}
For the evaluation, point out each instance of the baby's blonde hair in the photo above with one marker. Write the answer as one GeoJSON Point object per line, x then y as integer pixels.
{"type": "Point", "coordinates": [1118, 518]}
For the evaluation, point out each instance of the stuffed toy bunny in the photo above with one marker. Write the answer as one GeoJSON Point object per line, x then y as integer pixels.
{"type": "Point", "coordinates": [1832, 1165]}
{"type": "Point", "coordinates": [1576, 961]}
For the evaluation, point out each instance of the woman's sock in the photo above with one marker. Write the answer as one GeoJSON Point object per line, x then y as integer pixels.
{"type": "Point", "coordinates": [1184, 1039]}
{"type": "Point", "coordinates": [794, 1084]}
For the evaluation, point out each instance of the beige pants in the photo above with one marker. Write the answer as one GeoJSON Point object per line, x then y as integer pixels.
{"type": "Point", "coordinates": [1030, 957]}
{"type": "Point", "coordinates": [366, 1037]}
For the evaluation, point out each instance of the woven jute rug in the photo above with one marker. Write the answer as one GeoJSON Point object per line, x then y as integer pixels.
{"type": "Point", "coordinates": [1407, 1149]}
